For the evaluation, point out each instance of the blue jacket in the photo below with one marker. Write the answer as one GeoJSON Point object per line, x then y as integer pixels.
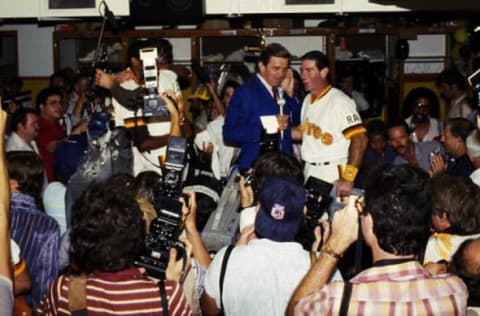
{"type": "Point", "coordinates": [242, 121]}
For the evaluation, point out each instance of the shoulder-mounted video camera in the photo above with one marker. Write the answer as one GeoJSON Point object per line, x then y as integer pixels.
{"type": "Point", "coordinates": [153, 105]}
{"type": "Point", "coordinates": [166, 227]}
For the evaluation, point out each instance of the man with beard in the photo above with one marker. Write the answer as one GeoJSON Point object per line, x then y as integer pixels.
{"type": "Point", "coordinates": [422, 102]}
{"type": "Point", "coordinates": [417, 154]}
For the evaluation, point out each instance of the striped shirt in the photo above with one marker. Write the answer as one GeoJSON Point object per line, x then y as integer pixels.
{"type": "Point", "coordinates": [38, 236]}
{"type": "Point", "coordinates": [126, 292]}
{"type": "Point", "coordinates": [398, 289]}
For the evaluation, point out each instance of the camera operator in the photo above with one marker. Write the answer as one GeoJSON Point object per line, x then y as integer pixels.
{"type": "Point", "coordinates": [107, 236]}
{"type": "Point", "coordinates": [150, 138]}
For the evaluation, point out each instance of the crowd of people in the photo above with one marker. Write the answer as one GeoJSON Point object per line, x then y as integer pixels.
{"type": "Point", "coordinates": [85, 172]}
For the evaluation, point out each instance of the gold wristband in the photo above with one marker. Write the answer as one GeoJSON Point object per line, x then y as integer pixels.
{"type": "Point", "coordinates": [326, 249]}
{"type": "Point", "coordinates": [20, 267]}
{"type": "Point", "coordinates": [349, 173]}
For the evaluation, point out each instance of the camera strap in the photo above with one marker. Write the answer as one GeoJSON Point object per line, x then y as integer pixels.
{"type": "Point", "coordinates": [163, 297]}
{"type": "Point", "coordinates": [222, 275]}
{"type": "Point", "coordinates": [347, 294]}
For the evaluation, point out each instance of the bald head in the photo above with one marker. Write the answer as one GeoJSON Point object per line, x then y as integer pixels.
{"type": "Point", "coordinates": [466, 260]}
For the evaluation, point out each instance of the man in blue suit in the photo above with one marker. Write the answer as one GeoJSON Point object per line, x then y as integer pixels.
{"type": "Point", "coordinates": [257, 98]}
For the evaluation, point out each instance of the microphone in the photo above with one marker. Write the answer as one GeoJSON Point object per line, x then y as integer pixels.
{"type": "Point", "coordinates": [281, 103]}
{"type": "Point", "coordinates": [110, 17]}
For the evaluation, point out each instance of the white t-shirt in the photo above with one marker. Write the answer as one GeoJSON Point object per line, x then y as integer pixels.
{"type": "Point", "coordinates": [260, 277]}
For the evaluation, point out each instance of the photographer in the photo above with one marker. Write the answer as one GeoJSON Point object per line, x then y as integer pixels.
{"type": "Point", "coordinates": [395, 224]}
{"type": "Point", "coordinates": [107, 236]}
{"type": "Point", "coordinates": [150, 135]}
{"type": "Point", "coordinates": [262, 272]}
{"type": "Point", "coordinates": [267, 165]}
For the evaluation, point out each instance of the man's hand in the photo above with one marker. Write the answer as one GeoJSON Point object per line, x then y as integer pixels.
{"type": "Point", "coordinates": [170, 106]}
{"type": "Point", "coordinates": [177, 269]}
{"type": "Point", "coordinates": [80, 128]}
{"type": "Point", "coordinates": [247, 234]}
{"type": "Point", "coordinates": [282, 122]}
{"type": "Point", "coordinates": [207, 148]}
{"type": "Point", "coordinates": [189, 212]}
{"type": "Point", "coordinates": [343, 187]}
{"type": "Point", "coordinates": [246, 193]}
{"type": "Point", "coordinates": [175, 129]}
{"type": "Point", "coordinates": [437, 165]}
{"type": "Point", "coordinates": [436, 267]}
{"type": "Point", "coordinates": [345, 225]}
{"type": "Point", "coordinates": [320, 239]}
{"type": "Point", "coordinates": [104, 80]}
{"type": "Point", "coordinates": [288, 84]}
{"type": "Point", "coordinates": [125, 76]}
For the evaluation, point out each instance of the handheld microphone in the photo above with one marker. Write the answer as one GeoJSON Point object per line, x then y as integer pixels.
{"type": "Point", "coordinates": [281, 103]}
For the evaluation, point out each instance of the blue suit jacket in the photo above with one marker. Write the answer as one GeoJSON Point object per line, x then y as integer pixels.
{"type": "Point", "coordinates": [242, 121]}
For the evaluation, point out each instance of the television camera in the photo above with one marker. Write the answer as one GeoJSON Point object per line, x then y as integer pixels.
{"type": "Point", "coordinates": [166, 227]}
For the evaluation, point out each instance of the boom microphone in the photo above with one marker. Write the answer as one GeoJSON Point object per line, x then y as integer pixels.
{"type": "Point", "coordinates": [111, 18]}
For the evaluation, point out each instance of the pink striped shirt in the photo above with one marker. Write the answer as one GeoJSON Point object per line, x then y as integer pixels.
{"type": "Point", "coordinates": [398, 289]}
{"type": "Point", "coordinates": [126, 292]}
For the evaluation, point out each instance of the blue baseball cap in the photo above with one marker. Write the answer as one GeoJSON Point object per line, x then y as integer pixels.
{"type": "Point", "coordinates": [282, 201]}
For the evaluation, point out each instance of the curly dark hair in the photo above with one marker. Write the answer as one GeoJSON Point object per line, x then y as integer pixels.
{"type": "Point", "coordinates": [108, 231]}
{"type": "Point", "coordinates": [27, 169]}
{"type": "Point", "coordinates": [418, 93]}
{"type": "Point", "coordinates": [399, 198]}
{"type": "Point", "coordinates": [458, 197]}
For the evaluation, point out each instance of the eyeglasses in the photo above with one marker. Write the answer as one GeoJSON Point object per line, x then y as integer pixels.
{"type": "Point", "coordinates": [422, 105]}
